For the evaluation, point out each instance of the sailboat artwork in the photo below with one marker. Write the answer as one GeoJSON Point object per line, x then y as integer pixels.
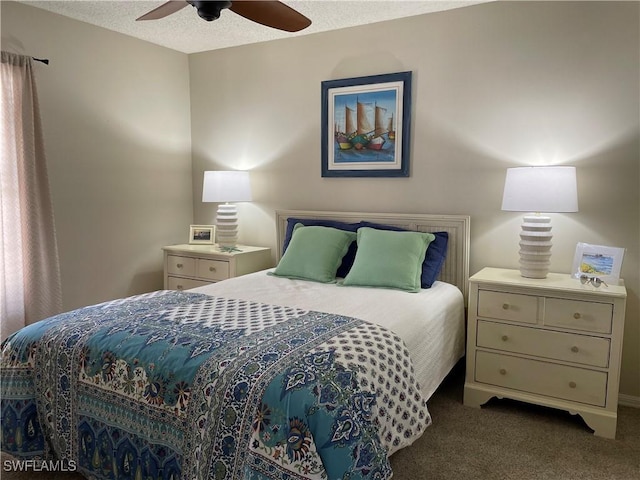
{"type": "Point", "coordinates": [364, 126]}
{"type": "Point", "coordinates": [366, 123]}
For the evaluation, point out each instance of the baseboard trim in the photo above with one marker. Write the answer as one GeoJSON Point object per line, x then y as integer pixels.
{"type": "Point", "coordinates": [628, 400]}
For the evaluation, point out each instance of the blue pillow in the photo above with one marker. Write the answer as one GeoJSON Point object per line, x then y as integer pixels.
{"type": "Point", "coordinates": [433, 260]}
{"type": "Point", "coordinates": [349, 257]}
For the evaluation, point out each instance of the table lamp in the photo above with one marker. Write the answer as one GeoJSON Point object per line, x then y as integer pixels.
{"type": "Point", "coordinates": [225, 187]}
{"type": "Point", "coordinates": [548, 189]}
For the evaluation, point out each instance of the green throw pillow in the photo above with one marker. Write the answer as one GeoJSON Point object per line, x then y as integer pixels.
{"type": "Point", "coordinates": [389, 259]}
{"type": "Point", "coordinates": [314, 253]}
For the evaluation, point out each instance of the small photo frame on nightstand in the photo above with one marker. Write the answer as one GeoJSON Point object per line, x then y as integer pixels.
{"type": "Point", "coordinates": [598, 261]}
{"type": "Point", "coordinates": [202, 234]}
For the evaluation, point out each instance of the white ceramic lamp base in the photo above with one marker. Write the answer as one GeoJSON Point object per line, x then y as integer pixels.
{"type": "Point", "coordinates": [535, 246]}
{"type": "Point", "coordinates": [227, 225]}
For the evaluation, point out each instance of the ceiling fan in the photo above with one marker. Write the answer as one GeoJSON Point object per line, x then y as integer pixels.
{"type": "Point", "coordinates": [266, 12]}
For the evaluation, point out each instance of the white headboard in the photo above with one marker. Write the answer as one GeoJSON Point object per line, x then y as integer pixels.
{"type": "Point", "coordinates": [456, 266]}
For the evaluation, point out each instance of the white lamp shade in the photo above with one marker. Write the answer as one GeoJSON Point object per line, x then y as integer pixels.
{"type": "Point", "coordinates": [550, 189]}
{"type": "Point", "coordinates": [226, 186]}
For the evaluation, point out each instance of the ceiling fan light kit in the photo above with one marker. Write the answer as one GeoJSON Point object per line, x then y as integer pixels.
{"type": "Point", "coordinates": [270, 13]}
{"type": "Point", "coordinates": [210, 11]}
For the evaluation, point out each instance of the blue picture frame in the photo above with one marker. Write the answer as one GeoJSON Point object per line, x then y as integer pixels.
{"type": "Point", "coordinates": [366, 125]}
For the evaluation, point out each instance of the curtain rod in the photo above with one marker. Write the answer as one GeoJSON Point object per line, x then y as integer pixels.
{"type": "Point", "coordinates": [43, 60]}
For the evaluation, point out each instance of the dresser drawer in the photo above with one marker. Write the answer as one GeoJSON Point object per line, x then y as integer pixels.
{"type": "Point", "coordinates": [177, 265]}
{"type": "Point", "coordinates": [550, 379]}
{"type": "Point", "coordinates": [190, 266]}
{"type": "Point", "coordinates": [508, 306]}
{"type": "Point", "coordinates": [578, 315]}
{"type": "Point", "coordinates": [215, 270]}
{"type": "Point", "coordinates": [569, 347]}
{"type": "Point", "coordinates": [177, 283]}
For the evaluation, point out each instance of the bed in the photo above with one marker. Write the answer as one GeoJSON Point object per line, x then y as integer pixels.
{"type": "Point", "coordinates": [264, 376]}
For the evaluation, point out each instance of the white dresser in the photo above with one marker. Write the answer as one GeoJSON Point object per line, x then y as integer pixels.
{"type": "Point", "coordinates": [553, 342]}
{"type": "Point", "coordinates": [190, 266]}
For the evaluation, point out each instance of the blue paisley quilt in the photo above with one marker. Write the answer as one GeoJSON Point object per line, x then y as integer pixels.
{"type": "Point", "coordinates": [180, 385]}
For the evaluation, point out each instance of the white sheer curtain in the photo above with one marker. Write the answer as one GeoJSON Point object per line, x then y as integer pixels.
{"type": "Point", "coordinates": [29, 271]}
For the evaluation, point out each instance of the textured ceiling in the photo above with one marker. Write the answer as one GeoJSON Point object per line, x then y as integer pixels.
{"type": "Point", "coordinates": [186, 32]}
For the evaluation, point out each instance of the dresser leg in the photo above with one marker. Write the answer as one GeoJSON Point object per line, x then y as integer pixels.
{"type": "Point", "coordinates": [602, 425]}
{"type": "Point", "coordinates": [476, 397]}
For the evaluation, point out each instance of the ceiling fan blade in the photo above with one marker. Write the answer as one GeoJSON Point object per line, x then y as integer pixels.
{"type": "Point", "coordinates": [271, 14]}
{"type": "Point", "coordinates": [164, 10]}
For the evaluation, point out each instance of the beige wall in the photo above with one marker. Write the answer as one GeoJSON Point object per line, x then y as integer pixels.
{"type": "Point", "coordinates": [495, 85]}
{"type": "Point", "coordinates": [115, 114]}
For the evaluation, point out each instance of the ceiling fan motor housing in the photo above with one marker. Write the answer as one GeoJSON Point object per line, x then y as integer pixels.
{"type": "Point", "coordinates": [208, 10]}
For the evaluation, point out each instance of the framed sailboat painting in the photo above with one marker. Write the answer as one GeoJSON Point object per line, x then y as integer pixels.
{"type": "Point", "coordinates": [366, 123]}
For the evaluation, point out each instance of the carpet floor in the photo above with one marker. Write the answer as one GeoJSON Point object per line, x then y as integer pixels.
{"type": "Point", "coordinates": [508, 440]}
{"type": "Point", "coordinates": [504, 440]}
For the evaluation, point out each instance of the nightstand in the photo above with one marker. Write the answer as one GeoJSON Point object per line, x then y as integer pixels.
{"type": "Point", "coordinates": [190, 266]}
{"type": "Point", "coordinates": [553, 342]}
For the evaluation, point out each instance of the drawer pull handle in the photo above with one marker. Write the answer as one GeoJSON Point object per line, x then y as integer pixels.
{"type": "Point", "coordinates": [212, 269]}
{"type": "Point", "coordinates": [505, 306]}
{"type": "Point", "coordinates": [503, 371]}
{"type": "Point", "coordinates": [575, 349]}
{"type": "Point", "coordinates": [572, 385]}
{"type": "Point", "coordinates": [577, 315]}
{"type": "Point", "coordinates": [179, 287]}
{"type": "Point", "coordinates": [179, 265]}
{"type": "Point", "coordinates": [505, 338]}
